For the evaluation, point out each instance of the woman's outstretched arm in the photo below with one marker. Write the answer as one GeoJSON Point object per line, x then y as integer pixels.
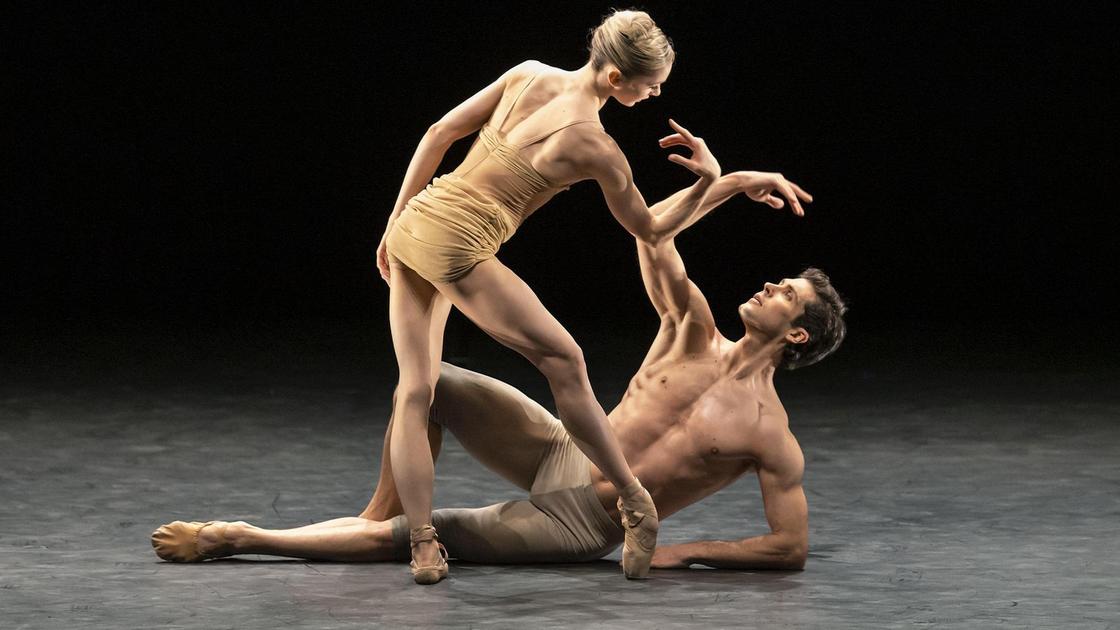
{"type": "Point", "coordinates": [608, 166]}
{"type": "Point", "coordinates": [757, 185]}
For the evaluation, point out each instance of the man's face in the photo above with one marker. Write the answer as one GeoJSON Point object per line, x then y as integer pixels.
{"type": "Point", "coordinates": [773, 309]}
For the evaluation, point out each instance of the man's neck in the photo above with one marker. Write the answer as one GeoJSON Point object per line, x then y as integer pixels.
{"type": "Point", "coordinates": [753, 357]}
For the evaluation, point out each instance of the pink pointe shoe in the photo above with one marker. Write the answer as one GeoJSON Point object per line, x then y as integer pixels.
{"type": "Point", "coordinates": [639, 520]}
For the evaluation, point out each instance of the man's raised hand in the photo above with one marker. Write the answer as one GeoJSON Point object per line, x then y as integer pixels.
{"type": "Point", "coordinates": [762, 186]}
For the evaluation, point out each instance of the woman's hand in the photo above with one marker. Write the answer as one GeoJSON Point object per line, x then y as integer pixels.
{"type": "Point", "coordinates": [383, 259]}
{"type": "Point", "coordinates": [761, 187]}
{"type": "Point", "coordinates": [703, 163]}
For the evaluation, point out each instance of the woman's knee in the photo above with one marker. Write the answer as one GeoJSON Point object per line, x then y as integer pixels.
{"type": "Point", "coordinates": [418, 394]}
{"type": "Point", "coordinates": [563, 362]}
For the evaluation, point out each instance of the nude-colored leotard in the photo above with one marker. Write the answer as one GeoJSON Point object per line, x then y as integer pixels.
{"type": "Point", "coordinates": [461, 218]}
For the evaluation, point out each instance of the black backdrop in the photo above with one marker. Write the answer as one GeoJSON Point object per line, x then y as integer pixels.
{"type": "Point", "coordinates": [229, 165]}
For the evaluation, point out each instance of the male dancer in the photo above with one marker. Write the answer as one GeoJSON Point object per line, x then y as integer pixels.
{"type": "Point", "coordinates": [701, 411]}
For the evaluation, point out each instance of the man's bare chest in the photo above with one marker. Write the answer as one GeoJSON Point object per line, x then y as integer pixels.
{"type": "Point", "coordinates": [691, 409]}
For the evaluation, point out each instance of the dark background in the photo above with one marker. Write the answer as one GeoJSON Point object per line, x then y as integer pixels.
{"type": "Point", "coordinates": [205, 174]}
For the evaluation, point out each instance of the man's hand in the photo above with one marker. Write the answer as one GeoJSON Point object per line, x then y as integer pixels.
{"type": "Point", "coordinates": [703, 163]}
{"type": "Point", "coordinates": [669, 557]}
{"type": "Point", "coordinates": [762, 186]}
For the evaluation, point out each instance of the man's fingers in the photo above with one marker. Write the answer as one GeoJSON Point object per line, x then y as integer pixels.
{"type": "Point", "coordinates": [801, 193]}
{"type": "Point", "coordinates": [791, 197]}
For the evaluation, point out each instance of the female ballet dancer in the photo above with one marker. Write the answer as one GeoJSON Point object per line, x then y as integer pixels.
{"type": "Point", "coordinates": [440, 242]}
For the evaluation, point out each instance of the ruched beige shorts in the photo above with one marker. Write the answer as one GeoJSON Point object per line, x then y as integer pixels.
{"type": "Point", "coordinates": [448, 228]}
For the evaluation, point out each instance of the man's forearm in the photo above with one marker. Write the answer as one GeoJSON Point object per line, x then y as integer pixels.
{"type": "Point", "coordinates": [761, 552]}
{"type": "Point", "coordinates": [667, 217]}
{"type": "Point", "coordinates": [724, 188]}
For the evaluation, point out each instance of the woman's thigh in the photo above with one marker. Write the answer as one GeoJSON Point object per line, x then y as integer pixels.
{"type": "Point", "coordinates": [499, 302]}
{"type": "Point", "coordinates": [415, 310]}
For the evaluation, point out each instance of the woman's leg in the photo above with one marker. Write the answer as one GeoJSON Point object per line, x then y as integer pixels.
{"type": "Point", "coordinates": [413, 305]}
{"type": "Point", "coordinates": [500, 302]}
{"type": "Point", "coordinates": [386, 502]}
{"type": "Point", "coordinates": [505, 307]}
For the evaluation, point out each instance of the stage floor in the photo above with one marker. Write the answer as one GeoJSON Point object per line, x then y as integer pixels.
{"type": "Point", "coordinates": [950, 497]}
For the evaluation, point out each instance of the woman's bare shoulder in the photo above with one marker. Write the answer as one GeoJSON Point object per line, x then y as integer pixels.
{"type": "Point", "coordinates": [529, 67]}
{"type": "Point", "coordinates": [593, 149]}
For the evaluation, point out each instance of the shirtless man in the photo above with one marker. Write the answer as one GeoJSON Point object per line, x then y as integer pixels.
{"type": "Point", "coordinates": [701, 412]}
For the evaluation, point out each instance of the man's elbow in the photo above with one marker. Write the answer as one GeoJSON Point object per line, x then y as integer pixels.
{"type": "Point", "coordinates": [795, 556]}
{"type": "Point", "coordinates": [645, 234]}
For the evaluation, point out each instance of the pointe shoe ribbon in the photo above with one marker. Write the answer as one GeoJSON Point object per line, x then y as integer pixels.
{"type": "Point", "coordinates": [178, 541]}
{"type": "Point", "coordinates": [428, 573]}
{"type": "Point", "coordinates": [640, 523]}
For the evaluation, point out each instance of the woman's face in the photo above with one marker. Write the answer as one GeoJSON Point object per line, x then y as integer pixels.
{"type": "Point", "coordinates": [642, 86]}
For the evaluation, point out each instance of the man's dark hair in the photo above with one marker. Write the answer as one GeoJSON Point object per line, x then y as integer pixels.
{"type": "Point", "coordinates": [823, 319]}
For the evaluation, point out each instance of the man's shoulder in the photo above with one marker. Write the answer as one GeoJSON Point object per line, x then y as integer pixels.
{"type": "Point", "coordinates": [780, 452]}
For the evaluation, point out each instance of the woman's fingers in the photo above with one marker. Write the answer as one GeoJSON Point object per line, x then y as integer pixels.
{"type": "Point", "coordinates": [775, 202]}
{"type": "Point", "coordinates": [684, 132]}
{"type": "Point", "coordinates": [673, 140]}
{"type": "Point", "coordinates": [691, 165]}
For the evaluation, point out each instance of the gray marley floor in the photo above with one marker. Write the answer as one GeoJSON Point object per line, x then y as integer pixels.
{"type": "Point", "coordinates": [941, 499]}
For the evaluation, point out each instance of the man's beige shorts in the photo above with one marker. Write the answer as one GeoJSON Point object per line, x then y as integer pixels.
{"type": "Point", "coordinates": [561, 521]}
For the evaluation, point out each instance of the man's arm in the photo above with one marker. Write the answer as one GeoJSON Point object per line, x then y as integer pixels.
{"type": "Point", "coordinates": [683, 309]}
{"type": "Point", "coordinates": [785, 547]}
{"type": "Point", "coordinates": [663, 269]}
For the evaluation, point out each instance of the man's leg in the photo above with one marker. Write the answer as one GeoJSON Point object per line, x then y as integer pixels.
{"type": "Point", "coordinates": [348, 539]}
{"type": "Point", "coordinates": [495, 422]}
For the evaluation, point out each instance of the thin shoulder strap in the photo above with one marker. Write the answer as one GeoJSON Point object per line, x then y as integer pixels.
{"type": "Point", "coordinates": [538, 137]}
{"type": "Point", "coordinates": [515, 99]}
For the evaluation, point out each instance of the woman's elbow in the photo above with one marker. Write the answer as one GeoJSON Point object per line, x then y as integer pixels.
{"type": "Point", "coordinates": [442, 133]}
